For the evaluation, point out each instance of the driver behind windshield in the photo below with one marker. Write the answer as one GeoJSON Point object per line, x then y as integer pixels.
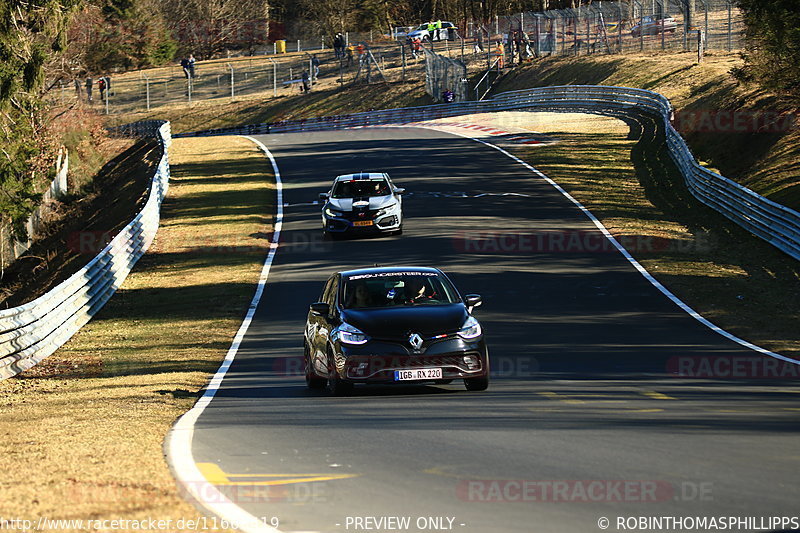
{"type": "Point", "coordinates": [417, 291]}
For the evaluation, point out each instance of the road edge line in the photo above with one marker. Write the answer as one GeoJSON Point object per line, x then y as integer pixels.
{"type": "Point", "coordinates": [625, 253]}
{"type": "Point", "coordinates": [178, 443]}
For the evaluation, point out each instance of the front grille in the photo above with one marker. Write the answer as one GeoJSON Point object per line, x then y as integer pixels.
{"type": "Point", "coordinates": [368, 214]}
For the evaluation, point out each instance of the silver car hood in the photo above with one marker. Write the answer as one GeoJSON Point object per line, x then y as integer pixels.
{"type": "Point", "coordinates": [375, 202]}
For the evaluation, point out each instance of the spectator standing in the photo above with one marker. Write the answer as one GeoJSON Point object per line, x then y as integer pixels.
{"type": "Point", "coordinates": [350, 55]}
{"type": "Point", "coordinates": [101, 85]}
{"type": "Point", "coordinates": [500, 53]}
{"type": "Point", "coordinates": [479, 43]}
{"type": "Point", "coordinates": [191, 62]}
{"type": "Point", "coordinates": [78, 88]}
{"type": "Point", "coordinates": [338, 46]}
{"type": "Point", "coordinates": [437, 26]}
{"type": "Point", "coordinates": [315, 64]}
{"type": "Point", "coordinates": [416, 47]}
{"type": "Point", "coordinates": [448, 96]}
{"type": "Point", "coordinates": [89, 83]}
{"type": "Point", "coordinates": [304, 78]}
{"type": "Point", "coordinates": [185, 67]}
{"type": "Point", "coordinates": [362, 53]}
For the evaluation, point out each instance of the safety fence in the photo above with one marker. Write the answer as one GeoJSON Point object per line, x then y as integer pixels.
{"type": "Point", "coordinates": [775, 223]}
{"type": "Point", "coordinates": [443, 75]}
{"type": "Point", "coordinates": [11, 247]}
{"type": "Point", "coordinates": [33, 331]}
{"type": "Point", "coordinates": [626, 26]}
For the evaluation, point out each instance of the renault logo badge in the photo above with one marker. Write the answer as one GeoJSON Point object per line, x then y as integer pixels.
{"type": "Point", "coordinates": [416, 341]}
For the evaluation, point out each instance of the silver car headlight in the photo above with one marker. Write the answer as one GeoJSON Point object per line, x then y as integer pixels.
{"type": "Point", "coordinates": [389, 209]}
{"type": "Point", "coordinates": [349, 334]}
{"type": "Point", "coordinates": [471, 329]}
{"type": "Point", "coordinates": [332, 212]}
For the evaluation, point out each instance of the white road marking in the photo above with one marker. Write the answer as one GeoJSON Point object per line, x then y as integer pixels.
{"type": "Point", "coordinates": [649, 277]}
{"type": "Point", "coordinates": [178, 443]}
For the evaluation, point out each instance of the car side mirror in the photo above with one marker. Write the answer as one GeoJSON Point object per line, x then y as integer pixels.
{"type": "Point", "coordinates": [320, 308]}
{"type": "Point", "coordinates": [399, 190]}
{"type": "Point", "coordinates": [472, 301]}
{"type": "Point", "coordinates": [324, 196]}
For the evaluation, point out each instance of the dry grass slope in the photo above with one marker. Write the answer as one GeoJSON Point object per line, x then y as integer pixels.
{"type": "Point", "coordinates": [82, 433]}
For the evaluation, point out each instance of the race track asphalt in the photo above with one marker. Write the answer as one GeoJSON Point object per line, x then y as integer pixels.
{"type": "Point", "coordinates": [583, 418]}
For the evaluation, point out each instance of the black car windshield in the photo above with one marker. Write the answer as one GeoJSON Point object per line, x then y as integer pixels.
{"type": "Point", "coordinates": [361, 188]}
{"type": "Point", "coordinates": [392, 289]}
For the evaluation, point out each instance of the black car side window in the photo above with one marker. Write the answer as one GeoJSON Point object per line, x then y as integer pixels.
{"type": "Point", "coordinates": [332, 297]}
{"type": "Point", "coordinates": [326, 291]}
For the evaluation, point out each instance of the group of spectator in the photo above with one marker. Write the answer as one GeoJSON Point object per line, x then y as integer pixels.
{"type": "Point", "coordinates": [187, 64]}
{"type": "Point", "coordinates": [103, 85]}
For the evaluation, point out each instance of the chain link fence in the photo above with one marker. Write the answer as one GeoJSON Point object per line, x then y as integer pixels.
{"type": "Point", "coordinates": [445, 78]}
{"type": "Point", "coordinates": [628, 27]}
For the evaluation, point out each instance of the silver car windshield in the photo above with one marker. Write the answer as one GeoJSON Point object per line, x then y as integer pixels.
{"type": "Point", "coordinates": [361, 188]}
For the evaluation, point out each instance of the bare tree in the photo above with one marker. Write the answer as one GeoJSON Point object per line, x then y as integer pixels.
{"type": "Point", "coordinates": [208, 27]}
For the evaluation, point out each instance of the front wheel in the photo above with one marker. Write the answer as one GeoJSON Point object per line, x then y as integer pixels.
{"type": "Point", "coordinates": [476, 384]}
{"type": "Point", "coordinates": [336, 386]}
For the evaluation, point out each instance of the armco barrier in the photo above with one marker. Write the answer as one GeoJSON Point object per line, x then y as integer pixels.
{"type": "Point", "coordinates": [33, 331]}
{"type": "Point", "coordinates": [777, 224]}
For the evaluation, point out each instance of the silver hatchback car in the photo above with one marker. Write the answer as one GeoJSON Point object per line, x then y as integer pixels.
{"type": "Point", "coordinates": [367, 202]}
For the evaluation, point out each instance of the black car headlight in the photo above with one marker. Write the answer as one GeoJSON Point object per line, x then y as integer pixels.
{"type": "Point", "coordinates": [349, 334]}
{"type": "Point", "coordinates": [332, 212]}
{"type": "Point", "coordinates": [471, 329]}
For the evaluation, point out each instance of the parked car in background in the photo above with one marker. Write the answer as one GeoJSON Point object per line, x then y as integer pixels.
{"type": "Point", "coordinates": [401, 32]}
{"type": "Point", "coordinates": [652, 25]}
{"type": "Point", "coordinates": [447, 32]}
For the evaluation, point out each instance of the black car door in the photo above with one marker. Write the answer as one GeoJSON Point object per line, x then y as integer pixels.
{"type": "Point", "coordinates": [323, 326]}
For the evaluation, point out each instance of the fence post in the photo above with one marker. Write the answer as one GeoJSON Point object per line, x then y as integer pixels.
{"type": "Point", "coordinates": [403, 57]}
{"type": "Point", "coordinates": [147, 89]}
{"type": "Point", "coordinates": [232, 81]}
{"type": "Point", "coordinates": [730, 26]}
{"type": "Point", "coordinates": [274, 77]}
{"type": "Point", "coordinates": [298, 45]}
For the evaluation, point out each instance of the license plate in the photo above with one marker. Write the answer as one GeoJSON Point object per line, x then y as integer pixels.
{"type": "Point", "coordinates": [418, 374]}
{"type": "Point", "coordinates": [362, 223]}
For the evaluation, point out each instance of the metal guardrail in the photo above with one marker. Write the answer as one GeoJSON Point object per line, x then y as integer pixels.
{"type": "Point", "coordinates": [773, 222]}
{"type": "Point", "coordinates": [33, 331]}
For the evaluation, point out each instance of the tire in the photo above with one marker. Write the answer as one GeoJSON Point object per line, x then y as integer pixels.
{"type": "Point", "coordinates": [313, 381]}
{"type": "Point", "coordinates": [476, 384]}
{"type": "Point", "coordinates": [337, 387]}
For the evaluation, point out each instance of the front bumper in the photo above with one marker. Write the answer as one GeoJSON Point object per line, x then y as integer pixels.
{"type": "Point", "coordinates": [389, 222]}
{"type": "Point", "coordinates": [377, 361]}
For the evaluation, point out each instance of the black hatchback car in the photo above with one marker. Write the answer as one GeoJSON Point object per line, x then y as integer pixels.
{"type": "Point", "coordinates": [393, 325]}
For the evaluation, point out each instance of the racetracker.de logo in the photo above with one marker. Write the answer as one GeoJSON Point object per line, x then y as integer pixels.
{"type": "Point", "coordinates": [740, 121]}
{"type": "Point", "coordinates": [731, 367]}
{"type": "Point", "coordinates": [577, 491]}
{"type": "Point", "coordinates": [570, 241]}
